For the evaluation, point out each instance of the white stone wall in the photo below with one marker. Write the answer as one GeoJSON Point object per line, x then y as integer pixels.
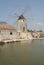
{"type": "Point", "coordinates": [20, 24]}
{"type": "Point", "coordinates": [30, 36]}
{"type": "Point", "coordinates": [5, 34]}
{"type": "Point", "coordinates": [25, 35]}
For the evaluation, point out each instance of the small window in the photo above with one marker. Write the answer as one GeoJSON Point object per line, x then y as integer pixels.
{"type": "Point", "coordinates": [10, 33]}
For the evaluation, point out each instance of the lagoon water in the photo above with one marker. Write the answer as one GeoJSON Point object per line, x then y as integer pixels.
{"type": "Point", "coordinates": [22, 53]}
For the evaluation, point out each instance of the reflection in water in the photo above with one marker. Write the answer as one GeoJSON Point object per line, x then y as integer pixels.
{"type": "Point", "coordinates": [22, 53]}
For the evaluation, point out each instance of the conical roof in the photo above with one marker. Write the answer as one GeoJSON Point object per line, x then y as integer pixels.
{"type": "Point", "coordinates": [21, 17]}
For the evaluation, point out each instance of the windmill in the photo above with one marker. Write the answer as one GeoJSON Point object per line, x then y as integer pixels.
{"type": "Point", "coordinates": [21, 21]}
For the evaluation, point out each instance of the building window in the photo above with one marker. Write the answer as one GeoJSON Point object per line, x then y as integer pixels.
{"type": "Point", "coordinates": [10, 33]}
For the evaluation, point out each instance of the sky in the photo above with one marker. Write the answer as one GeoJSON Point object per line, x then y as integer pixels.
{"type": "Point", "coordinates": [33, 12]}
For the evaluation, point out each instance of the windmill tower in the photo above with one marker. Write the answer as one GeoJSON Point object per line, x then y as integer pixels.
{"type": "Point", "coordinates": [21, 21]}
{"type": "Point", "coordinates": [21, 24]}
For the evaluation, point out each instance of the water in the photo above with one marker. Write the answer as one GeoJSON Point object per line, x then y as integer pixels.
{"type": "Point", "coordinates": [23, 53]}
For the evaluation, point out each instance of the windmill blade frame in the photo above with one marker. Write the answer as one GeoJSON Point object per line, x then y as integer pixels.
{"type": "Point", "coordinates": [25, 10]}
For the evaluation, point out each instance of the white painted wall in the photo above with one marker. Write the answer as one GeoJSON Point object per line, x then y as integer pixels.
{"type": "Point", "coordinates": [20, 24]}
{"type": "Point", "coordinates": [27, 35]}
{"type": "Point", "coordinates": [23, 35]}
{"type": "Point", "coordinates": [5, 34]}
{"type": "Point", "coordinates": [30, 36]}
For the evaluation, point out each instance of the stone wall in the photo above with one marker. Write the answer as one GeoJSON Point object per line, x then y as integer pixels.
{"type": "Point", "coordinates": [8, 34]}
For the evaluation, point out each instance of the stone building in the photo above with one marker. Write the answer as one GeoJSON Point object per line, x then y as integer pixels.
{"type": "Point", "coordinates": [7, 32]}
{"type": "Point", "coordinates": [22, 28]}
{"type": "Point", "coordinates": [22, 24]}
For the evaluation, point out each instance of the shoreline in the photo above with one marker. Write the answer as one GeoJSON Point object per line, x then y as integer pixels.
{"type": "Point", "coordinates": [17, 40]}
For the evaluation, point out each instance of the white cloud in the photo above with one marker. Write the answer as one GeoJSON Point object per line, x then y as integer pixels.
{"type": "Point", "coordinates": [40, 24]}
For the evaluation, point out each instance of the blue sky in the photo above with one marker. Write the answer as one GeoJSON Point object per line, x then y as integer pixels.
{"type": "Point", "coordinates": [34, 9]}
